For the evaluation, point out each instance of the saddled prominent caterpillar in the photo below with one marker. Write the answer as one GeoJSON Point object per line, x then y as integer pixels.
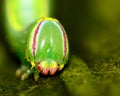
{"type": "Point", "coordinates": [42, 47]}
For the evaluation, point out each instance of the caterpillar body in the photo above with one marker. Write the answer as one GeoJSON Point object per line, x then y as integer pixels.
{"type": "Point", "coordinates": [41, 44]}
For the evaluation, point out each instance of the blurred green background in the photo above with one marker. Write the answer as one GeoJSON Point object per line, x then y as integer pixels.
{"type": "Point", "coordinates": [93, 29]}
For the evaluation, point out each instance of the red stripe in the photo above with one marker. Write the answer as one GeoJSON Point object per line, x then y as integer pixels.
{"type": "Point", "coordinates": [34, 39]}
{"type": "Point", "coordinates": [65, 41]}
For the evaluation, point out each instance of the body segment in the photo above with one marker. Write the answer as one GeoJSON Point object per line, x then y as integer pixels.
{"type": "Point", "coordinates": [40, 44]}
{"type": "Point", "coordinates": [47, 48]}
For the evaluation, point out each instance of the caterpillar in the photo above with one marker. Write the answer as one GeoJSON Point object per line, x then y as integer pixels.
{"type": "Point", "coordinates": [39, 41]}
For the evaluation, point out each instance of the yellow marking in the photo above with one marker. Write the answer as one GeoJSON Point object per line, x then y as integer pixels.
{"type": "Point", "coordinates": [48, 18]}
{"type": "Point", "coordinates": [44, 64]}
{"type": "Point", "coordinates": [61, 66]}
{"type": "Point", "coordinates": [33, 65]}
{"type": "Point", "coordinates": [54, 64]}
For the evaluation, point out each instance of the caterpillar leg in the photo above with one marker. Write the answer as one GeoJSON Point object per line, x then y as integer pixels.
{"type": "Point", "coordinates": [36, 75]}
{"type": "Point", "coordinates": [24, 72]}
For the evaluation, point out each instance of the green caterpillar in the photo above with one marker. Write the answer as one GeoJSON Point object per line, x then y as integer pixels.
{"type": "Point", "coordinates": [41, 44]}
